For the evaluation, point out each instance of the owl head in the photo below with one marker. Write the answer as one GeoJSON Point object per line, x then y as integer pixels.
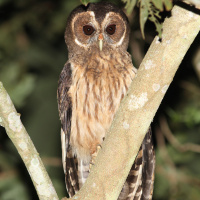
{"type": "Point", "coordinates": [98, 27]}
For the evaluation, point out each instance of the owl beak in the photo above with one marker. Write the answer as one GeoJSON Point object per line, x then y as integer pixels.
{"type": "Point", "coordinates": [100, 38]}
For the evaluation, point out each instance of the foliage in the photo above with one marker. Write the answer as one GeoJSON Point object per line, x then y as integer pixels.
{"type": "Point", "coordinates": [149, 9]}
{"type": "Point", "coordinates": [32, 55]}
{"type": "Point", "coordinates": [130, 4]}
{"type": "Point", "coordinates": [85, 2]}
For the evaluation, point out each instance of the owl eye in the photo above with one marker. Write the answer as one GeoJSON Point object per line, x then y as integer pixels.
{"type": "Point", "coordinates": [111, 29]}
{"type": "Point", "coordinates": [88, 30]}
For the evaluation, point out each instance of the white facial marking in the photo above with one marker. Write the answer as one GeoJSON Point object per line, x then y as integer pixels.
{"type": "Point", "coordinates": [91, 13]}
{"type": "Point", "coordinates": [106, 20]}
{"type": "Point", "coordinates": [121, 40]}
{"type": "Point", "coordinates": [79, 43]}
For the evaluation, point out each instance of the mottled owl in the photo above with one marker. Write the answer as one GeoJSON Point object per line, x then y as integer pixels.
{"type": "Point", "coordinates": [92, 84]}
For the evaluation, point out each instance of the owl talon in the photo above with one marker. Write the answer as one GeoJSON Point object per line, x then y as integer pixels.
{"type": "Point", "coordinates": [94, 155]}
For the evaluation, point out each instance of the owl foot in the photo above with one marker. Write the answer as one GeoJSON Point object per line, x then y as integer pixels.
{"type": "Point", "coordinates": [94, 155]}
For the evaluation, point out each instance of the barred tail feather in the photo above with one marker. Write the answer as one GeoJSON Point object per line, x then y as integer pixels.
{"type": "Point", "coordinates": [148, 167]}
{"type": "Point", "coordinates": [134, 178]}
{"type": "Point", "coordinates": [139, 183]}
{"type": "Point", "coordinates": [83, 172]}
{"type": "Point", "coordinates": [71, 177]}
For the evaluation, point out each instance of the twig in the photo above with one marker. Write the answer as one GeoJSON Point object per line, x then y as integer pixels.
{"type": "Point", "coordinates": [196, 62]}
{"type": "Point", "coordinates": [181, 177]}
{"type": "Point", "coordinates": [8, 174]}
{"type": "Point", "coordinates": [190, 87]}
{"type": "Point", "coordinates": [172, 139]}
{"type": "Point", "coordinates": [10, 119]}
{"type": "Point", "coordinates": [166, 159]}
{"type": "Point", "coordinates": [162, 147]}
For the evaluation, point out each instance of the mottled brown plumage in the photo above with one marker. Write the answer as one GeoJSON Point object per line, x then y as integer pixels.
{"type": "Point", "coordinates": [91, 86]}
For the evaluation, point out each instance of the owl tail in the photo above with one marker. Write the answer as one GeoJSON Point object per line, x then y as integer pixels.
{"type": "Point", "coordinates": [139, 183]}
{"type": "Point", "coordinates": [83, 171]}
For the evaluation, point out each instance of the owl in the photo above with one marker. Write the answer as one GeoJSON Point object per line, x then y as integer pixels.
{"type": "Point", "coordinates": [91, 86]}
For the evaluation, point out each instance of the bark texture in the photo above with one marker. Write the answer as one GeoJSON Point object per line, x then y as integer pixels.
{"type": "Point", "coordinates": [10, 119]}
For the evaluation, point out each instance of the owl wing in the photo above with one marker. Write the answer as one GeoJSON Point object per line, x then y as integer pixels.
{"type": "Point", "coordinates": [65, 112]}
{"type": "Point", "coordinates": [140, 180]}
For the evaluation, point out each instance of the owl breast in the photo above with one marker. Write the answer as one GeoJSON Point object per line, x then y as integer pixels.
{"type": "Point", "coordinates": [98, 86]}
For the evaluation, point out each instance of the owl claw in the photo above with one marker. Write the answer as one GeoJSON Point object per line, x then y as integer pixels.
{"type": "Point", "coordinates": [94, 155]}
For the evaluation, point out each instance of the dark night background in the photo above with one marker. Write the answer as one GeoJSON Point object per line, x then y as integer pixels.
{"type": "Point", "coordinates": [32, 55]}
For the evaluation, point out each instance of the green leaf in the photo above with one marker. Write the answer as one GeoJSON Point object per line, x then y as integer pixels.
{"type": "Point", "coordinates": [151, 9]}
{"type": "Point", "coordinates": [158, 4]}
{"type": "Point", "coordinates": [130, 4]}
{"type": "Point", "coordinates": [143, 15]}
{"type": "Point", "coordinates": [148, 10]}
{"type": "Point", "coordinates": [85, 2]}
{"type": "Point", "coordinates": [168, 4]}
{"type": "Point", "coordinates": [153, 15]}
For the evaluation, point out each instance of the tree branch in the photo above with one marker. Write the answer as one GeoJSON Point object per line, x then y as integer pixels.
{"type": "Point", "coordinates": [10, 119]}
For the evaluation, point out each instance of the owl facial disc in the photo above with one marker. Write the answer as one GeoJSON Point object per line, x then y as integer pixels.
{"type": "Point", "coordinates": [92, 29]}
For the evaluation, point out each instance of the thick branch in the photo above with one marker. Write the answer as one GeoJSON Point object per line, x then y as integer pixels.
{"type": "Point", "coordinates": [139, 107]}
{"type": "Point", "coordinates": [10, 119]}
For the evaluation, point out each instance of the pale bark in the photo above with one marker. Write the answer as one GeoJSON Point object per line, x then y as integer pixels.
{"type": "Point", "coordinates": [132, 119]}
{"type": "Point", "coordinates": [10, 119]}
